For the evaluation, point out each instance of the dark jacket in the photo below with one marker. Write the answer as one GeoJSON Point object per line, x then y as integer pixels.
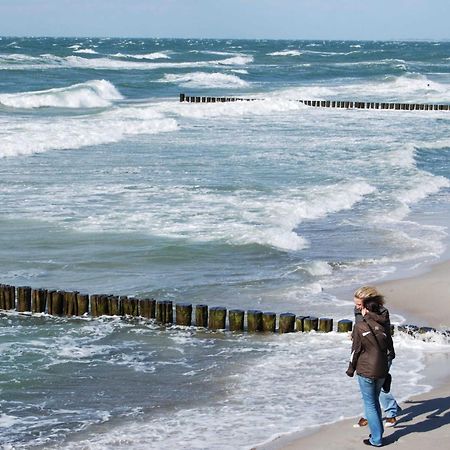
{"type": "Point", "coordinates": [370, 347]}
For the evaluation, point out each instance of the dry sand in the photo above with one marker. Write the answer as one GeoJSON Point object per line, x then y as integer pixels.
{"type": "Point", "coordinates": [425, 420]}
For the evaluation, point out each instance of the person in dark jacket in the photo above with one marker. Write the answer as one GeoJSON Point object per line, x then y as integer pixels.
{"type": "Point", "coordinates": [387, 400]}
{"type": "Point", "coordinates": [371, 346]}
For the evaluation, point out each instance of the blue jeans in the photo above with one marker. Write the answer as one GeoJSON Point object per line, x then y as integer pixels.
{"type": "Point", "coordinates": [370, 392]}
{"type": "Point", "coordinates": [388, 402]}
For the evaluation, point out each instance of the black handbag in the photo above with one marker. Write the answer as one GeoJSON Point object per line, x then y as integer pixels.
{"type": "Point", "coordinates": [387, 383]}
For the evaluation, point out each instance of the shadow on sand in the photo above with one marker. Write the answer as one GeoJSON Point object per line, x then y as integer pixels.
{"type": "Point", "coordinates": [427, 415]}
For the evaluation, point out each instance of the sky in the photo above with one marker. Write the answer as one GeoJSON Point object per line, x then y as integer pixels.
{"type": "Point", "coordinates": [246, 19]}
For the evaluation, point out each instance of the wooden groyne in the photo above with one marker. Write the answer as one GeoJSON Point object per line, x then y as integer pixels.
{"type": "Point", "coordinates": [345, 104]}
{"type": "Point", "coordinates": [27, 300]}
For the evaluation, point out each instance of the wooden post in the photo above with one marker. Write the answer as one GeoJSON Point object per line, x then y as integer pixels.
{"type": "Point", "coordinates": [168, 312]}
{"type": "Point", "coordinates": [50, 302]}
{"type": "Point", "coordinates": [236, 319]}
{"type": "Point", "coordinates": [217, 316]}
{"type": "Point", "coordinates": [57, 303]}
{"type": "Point", "coordinates": [181, 97]}
{"type": "Point", "coordinates": [344, 326]}
{"type": "Point", "coordinates": [38, 300]}
{"type": "Point", "coordinates": [269, 322]}
{"type": "Point", "coordinates": [325, 325]}
{"type": "Point", "coordinates": [70, 303]}
{"type": "Point", "coordinates": [147, 308]}
{"type": "Point", "coordinates": [160, 312]}
{"type": "Point", "coordinates": [2, 296]}
{"type": "Point", "coordinates": [115, 307]}
{"type": "Point", "coordinates": [299, 323]}
{"type": "Point", "coordinates": [310, 324]}
{"type": "Point", "coordinates": [254, 320]}
{"type": "Point", "coordinates": [201, 316]}
{"type": "Point", "coordinates": [287, 323]}
{"type": "Point", "coordinates": [130, 307]}
{"type": "Point", "coordinates": [183, 314]}
{"type": "Point", "coordinates": [23, 298]}
{"type": "Point", "coordinates": [99, 305]}
{"type": "Point", "coordinates": [82, 304]}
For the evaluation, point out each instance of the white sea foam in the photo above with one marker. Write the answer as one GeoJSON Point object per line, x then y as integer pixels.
{"type": "Point", "coordinates": [252, 412]}
{"type": "Point", "coordinates": [240, 60]}
{"type": "Point", "coordinates": [151, 56]}
{"type": "Point", "coordinates": [28, 137]}
{"type": "Point", "coordinates": [204, 79]}
{"type": "Point", "coordinates": [285, 53]}
{"type": "Point", "coordinates": [91, 94]}
{"type": "Point", "coordinates": [87, 51]}
{"type": "Point", "coordinates": [409, 88]}
{"type": "Point", "coordinates": [49, 61]}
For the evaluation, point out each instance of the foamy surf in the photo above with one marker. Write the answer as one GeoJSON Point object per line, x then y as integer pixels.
{"type": "Point", "coordinates": [91, 94]}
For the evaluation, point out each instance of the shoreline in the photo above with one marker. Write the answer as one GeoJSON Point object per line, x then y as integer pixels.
{"type": "Point", "coordinates": [423, 300]}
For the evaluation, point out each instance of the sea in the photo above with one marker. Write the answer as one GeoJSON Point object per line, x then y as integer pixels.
{"type": "Point", "coordinates": [110, 185]}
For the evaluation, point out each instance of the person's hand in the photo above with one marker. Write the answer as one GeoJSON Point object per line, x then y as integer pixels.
{"type": "Point", "coordinates": [364, 311]}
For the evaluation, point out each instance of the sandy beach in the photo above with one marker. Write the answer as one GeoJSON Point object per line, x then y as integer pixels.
{"type": "Point", "coordinates": [425, 419]}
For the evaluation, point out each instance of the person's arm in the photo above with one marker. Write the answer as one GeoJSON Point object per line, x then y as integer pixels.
{"type": "Point", "coordinates": [356, 351]}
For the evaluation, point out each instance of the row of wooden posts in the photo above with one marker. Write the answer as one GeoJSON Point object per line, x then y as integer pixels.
{"type": "Point", "coordinates": [328, 103]}
{"type": "Point", "coordinates": [24, 299]}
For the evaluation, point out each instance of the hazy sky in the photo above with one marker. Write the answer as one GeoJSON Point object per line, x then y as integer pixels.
{"type": "Point", "coordinates": [274, 19]}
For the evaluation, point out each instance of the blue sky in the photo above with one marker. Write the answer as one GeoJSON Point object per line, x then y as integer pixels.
{"type": "Point", "coordinates": [269, 19]}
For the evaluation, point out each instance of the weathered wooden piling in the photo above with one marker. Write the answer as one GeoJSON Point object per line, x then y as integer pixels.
{"type": "Point", "coordinates": [325, 325]}
{"type": "Point", "coordinates": [99, 305]}
{"type": "Point", "coordinates": [130, 306]}
{"type": "Point", "coordinates": [160, 311]}
{"type": "Point", "coordinates": [182, 97]}
{"type": "Point", "coordinates": [56, 303]}
{"type": "Point", "coordinates": [4, 296]}
{"type": "Point", "coordinates": [286, 323]}
{"type": "Point", "coordinates": [310, 324]}
{"type": "Point", "coordinates": [269, 322]}
{"type": "Point", "coordinates": [114, 306]}
{"type": "Point", "coordinates": [168, 312]}
{"type": "Point", "coordinates": [217, 318]}
{"type": "Point", "coordinates": [70, 304]}
{"type": "Point", "coordinates": [299, 326]}
{"type": "Point", "coordinates": [183, 314]}
{"type": "Point", "coordinates": [254, 321]}
{"type": "Point", "coordinates": [24, 298]}
{"type": "Point", "coordinates": [147, 308]}
{"type": "Point", "coordinates": [38, 300]}
{"type": "Point", "coordinates": [82, 304]}
{"type": "Point", "coordinates": [236, 319]}
{"type": "Point", "coordinates": [344, 326]}
{"type": "Point", "coordinates": [201, 316]}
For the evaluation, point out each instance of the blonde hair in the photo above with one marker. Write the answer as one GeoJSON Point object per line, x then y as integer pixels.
{"type": "Point", "coordinates": [369, 292]}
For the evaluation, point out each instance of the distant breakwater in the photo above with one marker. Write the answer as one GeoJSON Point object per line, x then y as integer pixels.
{"type": "Point", "coordinates": [27, 300]}
{"type": "Point", "coordinates": [345, 104]}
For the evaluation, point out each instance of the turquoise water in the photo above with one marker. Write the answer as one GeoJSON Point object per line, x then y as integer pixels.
{"type": "Point", "coordinates": [109, 185]}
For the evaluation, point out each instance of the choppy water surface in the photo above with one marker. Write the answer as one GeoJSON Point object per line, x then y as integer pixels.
{"type": "Point", "coordinates": [108, 184]}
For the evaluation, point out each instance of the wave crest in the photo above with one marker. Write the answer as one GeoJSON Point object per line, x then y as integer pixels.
{"type": "Point", "coordinates": [92, 94]}
{"type": "Point", "coordinates": [204, 79]}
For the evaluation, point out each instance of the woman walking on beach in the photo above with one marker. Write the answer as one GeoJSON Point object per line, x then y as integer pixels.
{"type": "Point", "coordinates": [369, 358]}
{"type": "Point", "coordinates": [387, 400]}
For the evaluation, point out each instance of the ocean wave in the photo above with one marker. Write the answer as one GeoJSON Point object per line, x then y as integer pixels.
{"type": "Point", "coordinates": [204, 79]}
{"type": "Point", "coordinates": [151, 56]}
{"type": "Point", "coordinates": [285, 53]}
{"type": "Point", "coordinates": [91, 94]}
{"type": "Point", "coordinates": [87, 51]}
{"type": "Point", "coordinates": [29, 137]}
{"type": "Point", "coordinates": [49, 61]}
